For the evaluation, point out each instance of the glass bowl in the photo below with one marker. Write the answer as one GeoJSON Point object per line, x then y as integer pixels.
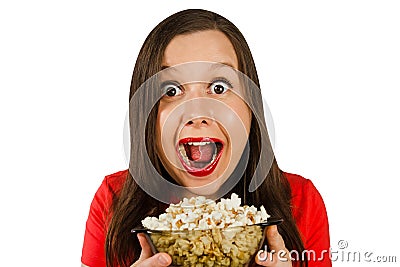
{"type": "Point", "coordinates": [233, 246]}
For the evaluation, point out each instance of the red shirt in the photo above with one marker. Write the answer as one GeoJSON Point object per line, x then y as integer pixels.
{"type": "Point", "coordinates": [308, 210]}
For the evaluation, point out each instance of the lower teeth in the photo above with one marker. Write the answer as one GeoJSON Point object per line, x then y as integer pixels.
{"type": "Point", "coordinates": [213, 157]}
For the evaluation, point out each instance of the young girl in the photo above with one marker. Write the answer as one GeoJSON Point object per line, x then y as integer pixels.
{"type": "Point", "coordinates": [193, 131]}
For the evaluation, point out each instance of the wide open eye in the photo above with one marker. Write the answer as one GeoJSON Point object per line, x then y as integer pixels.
{"type": "Point", "coordinates": [220, 86]}
{"type": "Point", "coordinates": [171, 89]}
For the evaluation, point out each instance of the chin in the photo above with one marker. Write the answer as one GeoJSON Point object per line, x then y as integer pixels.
{"type": "Point", "coordinates": [204, 185]}
{"type": "Point", "coordinates": [202, 190]}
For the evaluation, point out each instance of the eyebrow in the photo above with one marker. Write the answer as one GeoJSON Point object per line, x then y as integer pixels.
{"type": "Point", "coordinates": [163, 67]}
{"type": "Point", "coordinates": [228, 64]}
{"type": "Point", "coordinates": [220, 65]}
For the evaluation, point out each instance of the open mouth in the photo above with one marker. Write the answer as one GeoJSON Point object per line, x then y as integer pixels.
{"type": "Point", "coordinates": [200, 155]}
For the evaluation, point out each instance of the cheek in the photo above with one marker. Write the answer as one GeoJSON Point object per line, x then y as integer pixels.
{"type": "Point", "coordinates": [165, 132]}
{"type": "Point", "coordinates": [247, 119]}
{"type": "Point", "coordinates": [164, 113]}
{"type": "Point", "coordinates": [161, 117]}
{"type": "Point", "coordinates": [244, 114]}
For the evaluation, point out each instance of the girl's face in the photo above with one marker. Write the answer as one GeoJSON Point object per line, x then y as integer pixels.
{"type": "Point", "coordinates": [202, 150]}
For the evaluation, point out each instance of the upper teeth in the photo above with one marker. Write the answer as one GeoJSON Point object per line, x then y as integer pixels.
{"type": "Point", "coordinates": [198, 143]}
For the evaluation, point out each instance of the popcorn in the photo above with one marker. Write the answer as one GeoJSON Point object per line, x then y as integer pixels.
{"type": "Point", "coordinates": [199, 213]}
{"type": "Point", "coordinates": [225, 237]}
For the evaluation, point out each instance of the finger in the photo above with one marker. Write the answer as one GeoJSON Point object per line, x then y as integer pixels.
{"type": "Point", "coordinates": [274, 239]}
{"type": "Point", "coordinates": [278, 254]}
{"type": "Point", "coordinates": [146, 249]}
{"type": "Point", "coordinates": [147, 258]}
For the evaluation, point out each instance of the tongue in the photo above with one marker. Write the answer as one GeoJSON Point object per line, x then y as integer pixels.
{"type": "Point", "coordinates": [201, 153]}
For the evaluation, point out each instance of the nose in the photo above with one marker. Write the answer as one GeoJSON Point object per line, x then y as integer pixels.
{"type": "Point", "coordinates": [199, 122]}
{"type": "Point", "coordinates": [197, 110]}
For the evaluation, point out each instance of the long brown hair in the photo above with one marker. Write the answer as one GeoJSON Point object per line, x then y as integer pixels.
{"type": "Point", "coordinates": [132, 204]}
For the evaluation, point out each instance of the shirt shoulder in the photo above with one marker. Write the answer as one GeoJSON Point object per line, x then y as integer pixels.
{"type": "Point", "coordinates": [297, 182]}
{"type": "Point", "coordinates": [96, 225]}
{"type": "Point", "coordinates": [115, 181]}
{"type": "Point", "coordinates": [303, 191]}
{"type": "Point", "coordinates": [306, 200]}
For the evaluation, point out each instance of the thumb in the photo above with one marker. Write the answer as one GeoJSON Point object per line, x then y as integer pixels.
{"type": "Point", "coordinates": [146, 249]}
{"type": "Point", "coordinates": [275, 240]}
{"type": "Point", "coordinates": [147, 259]}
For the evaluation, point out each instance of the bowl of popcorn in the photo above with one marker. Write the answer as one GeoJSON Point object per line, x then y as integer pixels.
{"type": "Point", "coordinates": [201, 232]}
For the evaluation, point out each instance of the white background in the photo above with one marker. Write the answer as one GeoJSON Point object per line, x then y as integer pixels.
{"type": "Point", "coordinates": [329, 72]}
